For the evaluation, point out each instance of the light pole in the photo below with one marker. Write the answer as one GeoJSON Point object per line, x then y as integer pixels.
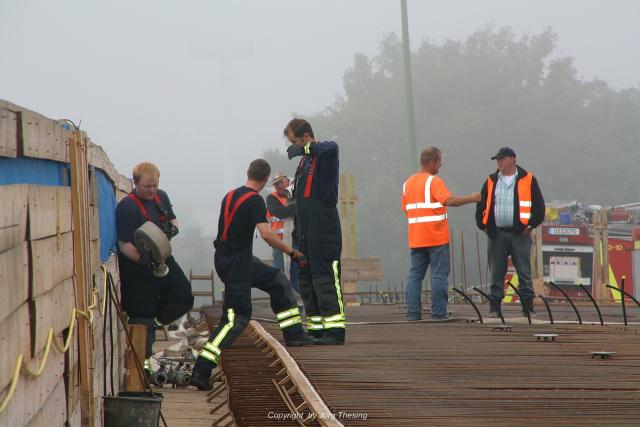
{"type": "Point", "coordinates": [408, 85]}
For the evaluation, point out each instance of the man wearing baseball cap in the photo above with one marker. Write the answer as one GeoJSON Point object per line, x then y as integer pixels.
{"type": "Point", "coordinates": [511, 206]}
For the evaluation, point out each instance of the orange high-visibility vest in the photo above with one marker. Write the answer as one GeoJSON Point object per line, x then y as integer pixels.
{"type": "Point", "coordinates": [277, 224]}
{"type": "Point", "coordinates": [427, 216]}
{"type": "Point", "coordinates": [524, 199]}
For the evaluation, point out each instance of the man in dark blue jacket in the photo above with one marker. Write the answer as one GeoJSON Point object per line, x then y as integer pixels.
{"type": "Point", "coordinates": [318, 230]}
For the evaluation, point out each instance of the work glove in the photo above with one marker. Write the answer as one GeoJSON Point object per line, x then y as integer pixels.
{"type": "Point", "coordinates": [171, 231]}
{"type": "Point", "coordinates": [295, 150]}
{"type": "Point", "coordinates": [299, 258]}
{"type": "Point", "coordinates": [145, 258]}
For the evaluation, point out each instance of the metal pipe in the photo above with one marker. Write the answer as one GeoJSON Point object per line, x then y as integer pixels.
{"type": "Point", "coordinates": [546, 304]}
{"type": "Point", "coordinates": [568, 299]}
{"type": "Point", "coordinates": [627, 294]}
{"type": "Point", "coordinates": [595, 304]}
{"type": "Point", "coordinates": [498, 310]}
{"type": "Point", "coordinates": [525, 309]}
{"type": "Point", "coordinates": [624, 306]}
{"type": "Point", "coordinates": [461, 292]}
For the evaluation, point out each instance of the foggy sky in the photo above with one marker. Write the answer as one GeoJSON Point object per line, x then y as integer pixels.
{"type": "Point", "coordinates": [202, 87]}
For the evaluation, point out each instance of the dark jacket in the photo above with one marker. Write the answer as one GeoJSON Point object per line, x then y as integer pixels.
{"type": "Point", "coordinates": [537, 205]}
{"type": "Point", "coordinates": [326, 177]}
{"type": "Point", "coordinates": [276, 209]}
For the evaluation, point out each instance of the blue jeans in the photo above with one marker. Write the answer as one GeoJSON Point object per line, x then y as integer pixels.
{"type": "Point", "coordinates": [278, 260]}
{"type": "Point", "coordinates": [421, 258]}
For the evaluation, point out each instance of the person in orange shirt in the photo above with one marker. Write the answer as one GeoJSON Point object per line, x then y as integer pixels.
{"type": "Point", "coordinates": [425, 198]}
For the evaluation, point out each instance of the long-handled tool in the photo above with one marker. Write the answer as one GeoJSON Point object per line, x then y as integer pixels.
{"type": "Point", "coordinates": [139, 367]}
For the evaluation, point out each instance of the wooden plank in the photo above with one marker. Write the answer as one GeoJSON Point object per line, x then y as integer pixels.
{"type": "Point", "coordinates": [52, 310]}
{"type": "Point", "coordinates": [132, 379]}
{"type": "Point", "coordinates": [14, 279]}
{"type": "Point", "coordinates": [31, 394]}
{"type": "Point", "coordinates": [8, 133]}
{"type": "Point", "coordinates": [37, 135]}
{"type": "Point", "coordinates": [72, 374]}
{"type": "Point", "coordinates": [54, 411]}
{"type": "Point", "coordinates": [13, 215]}
{"type": "Point", "coordinates": [60, 146]}
{"type": "Point", "coordinates": [49, 211]}
{"type": "Point", "coordinates": [95, 254]}
{"type": "Point", "coordinates": [361, 269]}
{"type": "Point", "coordinates": [15, 339]}
{"type": "Point", "coordinates": [124, 184]}
{"type": "Point", "coordinates": [80, 214]}
{"type": "Point", "coordinates": [306, 390]}
{"type": "Point", "coordinates": [75, 420]}
{"type": "Point", "coordinates": [52, 262]}
{"type": "Point", "coordinates": [94, 223]}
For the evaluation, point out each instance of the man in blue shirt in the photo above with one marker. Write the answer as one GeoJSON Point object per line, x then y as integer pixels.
{"type": "Point", "coordinates": [511, 206]}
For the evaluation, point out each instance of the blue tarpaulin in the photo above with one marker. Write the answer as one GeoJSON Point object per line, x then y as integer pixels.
{"type": "Point", "coordinates": [107, 215]}
{"type": "Point", "coordinates": [24, 170]}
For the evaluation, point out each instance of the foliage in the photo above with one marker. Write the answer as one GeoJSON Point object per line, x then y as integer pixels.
{"type": "Point", "coordinates": [493, 89]}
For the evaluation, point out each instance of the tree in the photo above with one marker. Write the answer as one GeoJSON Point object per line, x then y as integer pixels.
{"type": "Point", "coordinates": [473, 96]}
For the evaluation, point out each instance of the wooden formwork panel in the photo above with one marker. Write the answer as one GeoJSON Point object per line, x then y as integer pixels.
{"type": "Point", "coordinates": [14, 279]}
{"type": "Point", "coordinates": [52, 310]}
{"type": "Point", "coordinates": [97, 157]}
{"type": "Point", "coordinates": [13, 215]}
{"type": "Point", "coordinates": [31, 394]}
{"type": "Point", "coordinates": [94, 249]}
{"type": "Point", "coordinates": [124, 184]}
{"type": "Point", "coordinates": [75, 418]}
{"type": "Point", "coordinates": [121, 195]}
{"type": "Point", "coordinates": [54, 411]}
{"type": "Point", "coordinates": [8, 133]}
{"type": "Point", "coordinates": [43, 138]}
{"type": "Point", "coordinates": [13, 344]}
{"type": "Point", "coordinates": [94, 223]}
{"type": "Point", "coordinates": [49, 210]}
{"type": "Point", "coordinates": [72, 374]}
{"type": "Point", "coordinates": [52, 262]}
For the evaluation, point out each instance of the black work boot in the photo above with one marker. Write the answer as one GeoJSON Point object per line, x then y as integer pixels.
{"type": "Point", "coordinates": [295, 336]}
{"type": "Point", "coordinates": [495, 309]}
{"type": "Point", "coordinates": [333, 336]}
{"type": "Point", "coordinates": [316, 333]}
{"type": "Point", "coordinates": [529, 304]}
{"type": "Point", "coordinates": [200, 381]}
{"type": "Point", "coordinates": [201, 374]}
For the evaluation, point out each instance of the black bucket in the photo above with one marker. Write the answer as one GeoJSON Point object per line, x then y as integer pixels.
{"type": "Point", "coordinates": [132, 409]}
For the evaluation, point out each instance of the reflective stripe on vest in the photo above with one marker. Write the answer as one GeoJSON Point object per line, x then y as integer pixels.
{"type": "Point", "coordinates": [230, 213]}
{"type": "Point", "coordinates": [144, 211]}
{"type": "Point", "coordinates": [525, 202]}
{"type": "Point", "coordinates": [427, 204]}
{"type": "Point", "coordinates": [426, 216]}
{"type": "Point", "coordinates": [277, 224]}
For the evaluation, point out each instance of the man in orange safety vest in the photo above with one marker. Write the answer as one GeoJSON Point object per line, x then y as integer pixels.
{"type": "Point", "coordinates": [425, 198]}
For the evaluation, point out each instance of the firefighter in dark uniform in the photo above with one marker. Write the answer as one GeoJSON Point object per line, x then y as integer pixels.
{"type": "Point", "coordinates": [241, 212]}
{"type": "Point", "coordinates": [318, 230]}
{"type": "Point", "coordinates": [147, 299]}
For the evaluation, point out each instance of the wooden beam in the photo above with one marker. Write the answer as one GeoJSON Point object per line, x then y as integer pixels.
{"type": "Point", "coordinates": [80, 215]}
{"type": "Point", "coordinates": [361, 269]}
{"type": "Point", "coordinates": [132, 380]}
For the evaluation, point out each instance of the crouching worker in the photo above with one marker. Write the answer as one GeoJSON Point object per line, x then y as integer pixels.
{"type": "Point", "coordinates": [242, 211]}
{"type": "Point", "coordinates": [148, 299]}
